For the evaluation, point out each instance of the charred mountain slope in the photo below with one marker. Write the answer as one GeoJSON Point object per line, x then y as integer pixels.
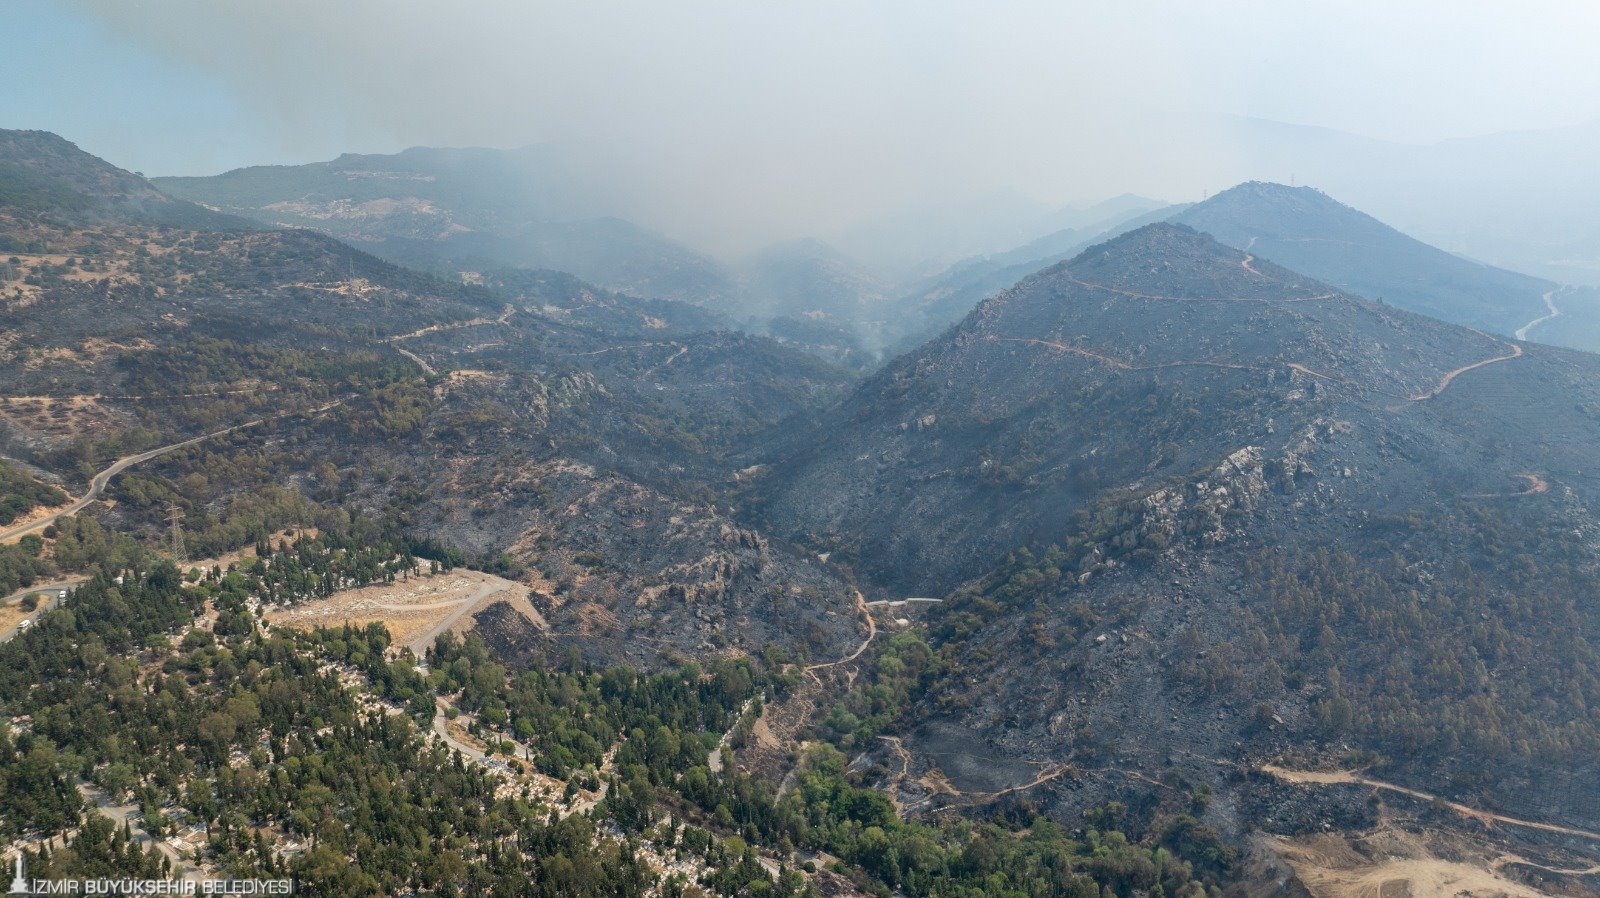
{"type": "Point", "coordinates": [1268, 519]}
{"type": "Point", "coordinates": [1147, 357]}
{"type": "Point", "coordinates": [565, 428]}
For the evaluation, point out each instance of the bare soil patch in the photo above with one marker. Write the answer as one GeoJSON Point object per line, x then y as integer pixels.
{"type": "Point", "coordinates": [410, 609]}
{"type": "Point", "coordinates": [1389, 863]}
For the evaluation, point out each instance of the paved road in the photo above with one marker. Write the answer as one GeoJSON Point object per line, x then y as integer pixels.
{"type": "Point", "coordinates": [425, 640]}
{"type": "Point", "coordinates": [129, 815]}
{"type": "Point", "coordinates": [100, 481]}
{"type": "Point", "coordinates": [52, 592]}
{"type": "Point", "coordinates": [441, 725]}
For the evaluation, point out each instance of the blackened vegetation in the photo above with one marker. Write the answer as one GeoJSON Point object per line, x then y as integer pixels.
{"type": "Point", "coordinates": [1190, 513]}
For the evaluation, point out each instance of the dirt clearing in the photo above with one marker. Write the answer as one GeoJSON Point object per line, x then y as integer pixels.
{"type": "Point", "coordinates": [415, 611]}
{"type": "Point", "coordinates": [1391, 864]}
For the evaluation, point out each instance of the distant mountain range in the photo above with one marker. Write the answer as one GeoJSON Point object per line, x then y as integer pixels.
{"type": "Point", "coordinates": [1308, 231]}
{"type": "Point", "coordinates": [1521, 199]}
{"type": "Point", "coordinates": [460, 209]}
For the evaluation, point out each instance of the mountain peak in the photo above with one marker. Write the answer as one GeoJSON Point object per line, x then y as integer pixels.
{"type": "Point", "coordinates": [44, 169]}
{"type": "Point", "coordinates": [44, 172]}
{"type": "Point", "coordinates": [1174, 260]}
{"type": "Point", "coordinates": [1308, 231]}
{"type": "Point", "coordinates": [1273, 193]}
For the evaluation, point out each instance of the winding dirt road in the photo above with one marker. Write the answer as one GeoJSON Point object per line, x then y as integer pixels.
{"type": "Point", "coordinates": [427, 369]}
{"type": "Point", "coordinates": [1120, 365]}
{"type": "Point", "coordinates": [505, 315]}
{"type": "Point", "coordinates": [1522, 332]}
{"type": "Point", "coordinates": [1515, 353]}
{"type": "Point", "coordinates": [1249, 258]}
{"type": "Point", "coordinates": [420, 645]}
{"type": "Point", "coordinates": [1133, 294]}
{"type": "Point", "coordinates": [102, 479]}
{"type": "Point", "coordinates": [1327, 777]}
{"type": "Point", "coordinates": [872, 633]}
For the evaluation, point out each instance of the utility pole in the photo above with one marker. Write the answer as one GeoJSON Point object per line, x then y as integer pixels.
{"type": "Point", "coordinates": [175, 516]}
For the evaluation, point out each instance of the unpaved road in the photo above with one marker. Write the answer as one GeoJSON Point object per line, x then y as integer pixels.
{"type": "Point", "coordinates": [1516, 352]}
{"type": "Point", "coordinates": [1133, 294]}
{"type": "Point", "coordinates": [1346, 776]}
{"type": "Point", "coordinates": [1522, 332]}
{"type": "Point", "coordinates": [427, 369]}
{"type": "Point", "coordinates": [419, 645]}
{"type": "Point", "coordinates": [1249, 258]}
{"type": "Point", "coordinates": [714, 760]}
{"type": "Point", "coordinates": [98, 484]}
{"type": "Point", "coordinates": [1120, 365]}
{"type": "Point", "coordinates": [505, 315]}
{"type": "Point", "coordinates": [872, 633]}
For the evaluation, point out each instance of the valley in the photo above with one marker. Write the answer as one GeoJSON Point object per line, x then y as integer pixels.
{"type": "Point", "coordinates": [1166, 567]}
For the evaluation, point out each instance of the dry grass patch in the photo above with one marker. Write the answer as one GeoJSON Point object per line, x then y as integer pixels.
{"type": "Point", "coordinates": [414, 611]}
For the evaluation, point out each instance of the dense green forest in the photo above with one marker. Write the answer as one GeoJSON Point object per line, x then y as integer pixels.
{"type": "Point", "coordinates": [305, 754]}
{"type": "Point", "coordinates": [21, 493]}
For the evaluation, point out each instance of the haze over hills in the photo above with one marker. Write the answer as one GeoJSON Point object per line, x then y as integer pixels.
{"type": "Point", "coordinates": [1519, 199]}
{"type": "Point", "coordinates": [1189, 534]}
{"type": "Point", "coordinates": [456, 209]}
{"type": "Point", "coordinates": [1308, 231]}
{"type": "Point", "coordinates": [167, 331]}
{"type": "Point", "coordinates": [809, 278]}
{"type": "Point", "coordinates": [938, 302]}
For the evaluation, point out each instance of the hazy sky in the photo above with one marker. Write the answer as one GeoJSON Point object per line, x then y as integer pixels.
{"type": "Point", "coordinates": [723, 117]}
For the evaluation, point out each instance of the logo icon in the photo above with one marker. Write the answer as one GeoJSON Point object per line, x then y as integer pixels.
{"type": "Point", "coordinates": [19, 884]}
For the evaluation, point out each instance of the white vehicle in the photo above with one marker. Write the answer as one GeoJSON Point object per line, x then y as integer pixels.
{"type": "Point", "coordinates": [25, 625]}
